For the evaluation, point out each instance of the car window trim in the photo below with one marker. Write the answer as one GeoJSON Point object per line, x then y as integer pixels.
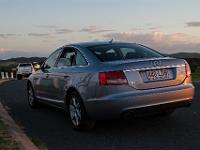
{"type": "Point", "coordinates": [59, 49]}
{"type": "Point", "coordinates": [83, 58]}
{"type": "Point", "coordinates": [62, 49]}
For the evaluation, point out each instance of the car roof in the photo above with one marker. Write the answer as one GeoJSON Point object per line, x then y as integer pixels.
{"type": "Point", "coordinates": [99, 43]}
{"type": "Point", "coordinates": [24, 63]}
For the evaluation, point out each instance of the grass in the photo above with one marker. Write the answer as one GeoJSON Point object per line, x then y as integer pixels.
{"type": "Point", "coordinates": [39, 143]}
{"type": "Point", "coordinates": [196, 77]}
{"type": "Point", "coordinates": [6, 141]}
{"type": "Point", "coordinates": [5, 79]}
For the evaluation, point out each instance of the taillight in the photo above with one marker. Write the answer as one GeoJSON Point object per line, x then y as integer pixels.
{"type": "Point", "coordinates": [112, 78]}
{"type": "Point", "coordinates": [33, 70]}
{"type": "Point", "coordinates": [188, 70]}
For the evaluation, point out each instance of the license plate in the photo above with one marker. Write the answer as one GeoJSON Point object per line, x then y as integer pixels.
{"type": "Point", "coordinates": [155, 75]}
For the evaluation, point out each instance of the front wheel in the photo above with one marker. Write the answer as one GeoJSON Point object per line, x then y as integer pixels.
{"type": "Point", "coordinates": [77, 113]}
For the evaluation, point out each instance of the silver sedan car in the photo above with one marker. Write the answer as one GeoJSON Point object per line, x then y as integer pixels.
{"type": "Point", "coordinates": [107, 80]}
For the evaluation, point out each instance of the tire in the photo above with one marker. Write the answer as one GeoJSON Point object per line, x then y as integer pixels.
{"type": "Point", "coordinates": [29, 75]}
{"type": "Point", "coordinates": [31, 97]}
{"type": "Point", "coordinates": [19, 77]}
{"type": "Point", "coordinates": [77, 113]}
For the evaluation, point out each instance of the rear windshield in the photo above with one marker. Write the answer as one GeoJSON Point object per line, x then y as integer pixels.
{"type": "Point", "coordinates": [121, 52]}
{"type": "Point", "coordinates": [24, 65]}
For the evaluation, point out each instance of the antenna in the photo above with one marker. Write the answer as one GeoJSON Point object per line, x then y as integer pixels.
{"type": "Point", "coordinates": [111, 41]}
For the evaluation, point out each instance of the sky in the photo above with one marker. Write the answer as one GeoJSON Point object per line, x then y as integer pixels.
{"type": "Point", "coordinates": [36, 28]}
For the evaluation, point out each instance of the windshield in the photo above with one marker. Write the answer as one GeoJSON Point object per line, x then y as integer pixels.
{"type": "Point", "coordinates": [123, 52]}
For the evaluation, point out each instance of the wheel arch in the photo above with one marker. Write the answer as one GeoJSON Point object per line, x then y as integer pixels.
{"type": "Point", "coordinates": [69, 91]}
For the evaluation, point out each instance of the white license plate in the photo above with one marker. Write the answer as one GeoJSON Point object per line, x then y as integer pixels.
{"type": "Point", "coordinates": [161, 74]}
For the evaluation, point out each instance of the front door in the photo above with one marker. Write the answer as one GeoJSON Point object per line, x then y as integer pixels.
{"type": "Point", "coordinates": [44, 82]}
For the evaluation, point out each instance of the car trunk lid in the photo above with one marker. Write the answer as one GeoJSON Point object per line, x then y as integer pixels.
{"type": "Point", "coordinates": [153, 73]}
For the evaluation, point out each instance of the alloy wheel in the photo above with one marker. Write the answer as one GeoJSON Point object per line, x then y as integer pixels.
{"type": "Point", "coordinates": [30, 96]}
{"type": "Point", "coordinates": [75, 111]}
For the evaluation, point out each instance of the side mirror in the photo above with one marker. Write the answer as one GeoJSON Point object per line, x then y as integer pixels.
{"type": "Point", "coordinates": [44, 68]}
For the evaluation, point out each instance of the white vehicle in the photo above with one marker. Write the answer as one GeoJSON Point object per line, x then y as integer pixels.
{"type": "Point", "coordinates": [24, 70]}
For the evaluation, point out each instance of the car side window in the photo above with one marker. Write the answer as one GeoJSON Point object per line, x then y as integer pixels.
{"type": "Point", "coordinates": [71, 57]}
{"type": "Point", "coordinates": [129, 53]}
{"type": "Point", "coordinates": [67, 57]}
{"type": "Point", "coordinates": [50, 62]}
{"type": "Point", "coordinates": [80, 60]}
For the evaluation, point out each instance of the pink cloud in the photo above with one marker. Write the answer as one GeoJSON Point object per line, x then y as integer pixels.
{"type": "Point", "coordinates": [3, 50]}
{"type": "Point", "coordinates": [169, 43]}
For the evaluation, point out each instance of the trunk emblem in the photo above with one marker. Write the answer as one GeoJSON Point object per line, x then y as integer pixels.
{"type": "Point", "coordinates": [133, 82]}
{"type": "Point", "coordinates": [156, 63]}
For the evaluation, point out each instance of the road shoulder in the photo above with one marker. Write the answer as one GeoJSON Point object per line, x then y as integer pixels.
{"type": "Point", "coordinates": [15, 131]}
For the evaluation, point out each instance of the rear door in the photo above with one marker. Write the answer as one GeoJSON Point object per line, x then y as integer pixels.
{"type": "Point", "coordinates": [61, 73]}
{"type": "Point", "coordinates": [67, 68]}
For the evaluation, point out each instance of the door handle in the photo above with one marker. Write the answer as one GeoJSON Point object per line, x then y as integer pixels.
{"type": "Point", "coordinates": [66, 76]}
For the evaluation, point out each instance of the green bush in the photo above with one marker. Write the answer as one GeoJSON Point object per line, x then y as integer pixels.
{"type": "Point", "coordinates": [194, 63]}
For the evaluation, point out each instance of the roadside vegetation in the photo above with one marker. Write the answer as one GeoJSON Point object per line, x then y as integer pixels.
{"type": "Point", "coordinates": [195, 68]}
{"type": "Point", "coordinates": [6, 141]}
{"type": "Point", "coordinates": [196, 77]}
{"type": "Point", "coordinates": [11, 64]}
{"type": "Point", "coordinates": [41, 145]}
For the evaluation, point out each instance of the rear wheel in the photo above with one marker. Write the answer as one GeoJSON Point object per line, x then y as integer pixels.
{"type": "Point", "coordinates": [31, 97]}
{"type": "Point", "coordinates": [77, 113]}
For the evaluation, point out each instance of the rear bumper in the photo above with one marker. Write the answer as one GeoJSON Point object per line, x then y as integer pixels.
{"type": "Point", "coordinates": [137, 101]}
{"type": "Point", "coordinates": [24, 74]}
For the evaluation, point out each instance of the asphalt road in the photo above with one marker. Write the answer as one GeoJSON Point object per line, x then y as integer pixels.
{"type": "Point", "coordinates": [179, 131]}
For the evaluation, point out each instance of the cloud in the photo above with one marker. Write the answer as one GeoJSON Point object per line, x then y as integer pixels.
{"type": "Point", "coordinates": [148, 28]}
{"type": "Point", "coordinates": [154, 28]}
{"type": "Point", "coordinates": [94, 29]}
{"type": "Point", "coordinates": [53, 29]}
{"type": "Point", "coordinates": [3, 50]}
{"type": "Point", "coordinates": [38, 34]}
{"type": "Point", "coordinates": [63, 31]}
{"type": "Point", "coordinates": [56, 29]}
{"type": "Point", "coordinates": [48, 26]}
{"type": "Point", "coordinates": [8, 35]}
{"type": "Point", "coordinates": [193, 24]}
{"type": "Point", "coordinates": [169, 43]}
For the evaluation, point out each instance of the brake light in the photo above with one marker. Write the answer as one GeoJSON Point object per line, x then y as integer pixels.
{"type": "Point", "coordinates": [112, 78]}
{"type": "Point", "coordinates": [188, 70]}
{"type": "Point", "coordinates": [33, 70]}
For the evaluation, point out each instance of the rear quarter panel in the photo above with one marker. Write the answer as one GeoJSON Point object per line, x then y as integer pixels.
{"type": "Point", "coordinates": [83, 79]}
